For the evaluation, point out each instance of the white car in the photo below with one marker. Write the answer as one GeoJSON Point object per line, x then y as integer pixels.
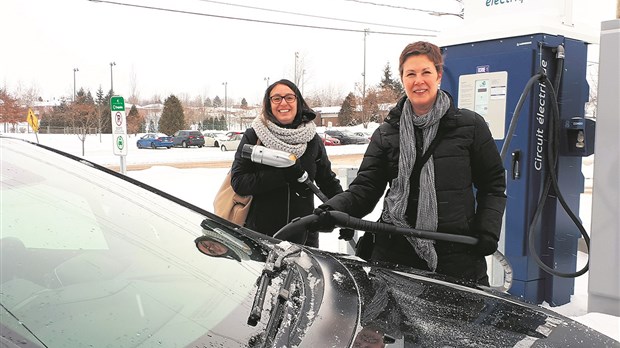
{"type": "Point", "coordinates": [232, 143]}
{"type": "Point", "coordinates": [214, 138]}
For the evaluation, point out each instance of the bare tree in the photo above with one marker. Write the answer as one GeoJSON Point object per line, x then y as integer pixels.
{"type": "Point", "coordinates": [11, 111]}
{"type": "Point", "coordinates": [328, 96]}
{"type": "Point", "coordinates": [134, 97]}
{"type": "Point", "coordinates": [370, 107]}
{"type": "Point", "coordinates": [27, 96]}
{"type": "Point", "coordinates": [84, 116]}
{"type": "Point", "coordinates": [592, 79]}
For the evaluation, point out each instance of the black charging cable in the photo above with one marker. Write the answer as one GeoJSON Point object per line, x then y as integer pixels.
{"type": "Point", "coordinates": [551, 164]}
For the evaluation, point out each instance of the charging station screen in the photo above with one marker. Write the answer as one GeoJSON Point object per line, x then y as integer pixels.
{"type": "Point", "coordinates": [481, 97]}
{"type": "Point", "coordinates": [485, 94]}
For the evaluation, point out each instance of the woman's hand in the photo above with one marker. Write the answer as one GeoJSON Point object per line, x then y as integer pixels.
{"type": "Point", "coordinates": [294, 172]}
{"type": "Point", "coordinates": [487, 244]}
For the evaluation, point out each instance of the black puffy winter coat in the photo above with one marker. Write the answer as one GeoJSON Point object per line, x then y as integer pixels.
{"type": "Point", "coordinates": [276, 202]}
{"type": "Point", "coordinates": [469, 182]}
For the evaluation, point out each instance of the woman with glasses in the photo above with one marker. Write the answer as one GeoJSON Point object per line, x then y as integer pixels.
{"type": "Point", "coordinates": [286, 124]}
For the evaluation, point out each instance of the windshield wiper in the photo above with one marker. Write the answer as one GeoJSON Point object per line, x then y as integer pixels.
{"type": "Point", "coordinates": [273, 267]}
{"type": "Point", "coordinates": [275, 319]}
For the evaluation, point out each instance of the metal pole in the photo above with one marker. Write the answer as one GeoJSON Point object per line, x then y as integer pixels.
{"type": "Point", "coordinates": [112, 77]}
{"type": "Point", "coordinates": [225, 102]}
{"type": "Point", "coordinates": [267, 79]}
{"type": "Point", "coordinates": [364, 79]}
{"type": "Point", "coordinates": [296, 56]}
{"type": "Point", "coordinates": [364, 73]}
{"type": "Point", "coordinates": [74, 71]}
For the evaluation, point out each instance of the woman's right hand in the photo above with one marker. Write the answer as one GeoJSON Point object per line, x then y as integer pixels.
{"type": "Point", "coordinates": [294, 172]}
{"type": "Point", "coordinates": [325, 222]}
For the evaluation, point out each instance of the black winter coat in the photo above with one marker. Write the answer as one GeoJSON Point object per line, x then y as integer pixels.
{"type": "Point", "coordinates": [275, 201]}
{"type": "Point", "coordinates": [465, 159]}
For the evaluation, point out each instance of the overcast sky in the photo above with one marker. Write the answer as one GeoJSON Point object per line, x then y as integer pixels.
{"type": "Point", "coordinates": [197, 45]}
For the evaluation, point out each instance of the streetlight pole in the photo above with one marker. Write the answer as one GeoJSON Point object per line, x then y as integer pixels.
{"type": "Point", "coordinates": [112, 77]}
{"type": "Point", "coordinates": [74, 71]}
{"type": "Point", "coordinates": [267, 79]}
{"type": "Point", "coordinates": [364, 79]}
{"type": "Point", "coordinates": [225, 101]}
{"type": "Point", "coordinates": [296, 56]}
{"type": "Point", "coordinates": [364, 73]}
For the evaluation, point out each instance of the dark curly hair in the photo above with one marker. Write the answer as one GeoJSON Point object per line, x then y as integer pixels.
{"type": "Point", "coordinates": [304, 112]}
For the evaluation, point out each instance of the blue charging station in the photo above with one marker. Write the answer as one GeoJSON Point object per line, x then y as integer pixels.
{"type": "Point", "coordinates": [489, 77]}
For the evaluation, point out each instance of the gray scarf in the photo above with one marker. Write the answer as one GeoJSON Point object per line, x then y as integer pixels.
{"type": "Point", "coordinates": [395, 203]}
{"type": "Point", "coordinates": [289, 140]}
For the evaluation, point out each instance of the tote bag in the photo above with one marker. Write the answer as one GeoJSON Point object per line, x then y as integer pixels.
{"type": "Point", "coordinates": [229, 205]}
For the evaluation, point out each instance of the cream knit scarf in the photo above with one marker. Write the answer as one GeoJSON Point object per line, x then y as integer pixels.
{"type": "Point", "coordinates": [289, 140]}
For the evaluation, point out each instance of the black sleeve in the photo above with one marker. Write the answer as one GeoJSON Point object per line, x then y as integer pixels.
{"type": "Point", "coordinates": [489, 178]}
{"type": "Point", "coordinates": [249, 178]}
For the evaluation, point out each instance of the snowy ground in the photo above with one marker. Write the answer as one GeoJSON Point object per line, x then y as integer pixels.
{"type": "Point", "coordinates": [199, 186]}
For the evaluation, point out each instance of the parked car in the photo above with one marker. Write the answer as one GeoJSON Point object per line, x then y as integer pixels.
{"type": "Point", "coordinates": [155, 140]}
{"type": "Point", "coordinates": [214, 138]}
{"type": "Point", "coordinates": [363, 134]}
{"type": "Point", "coordinates": [231, 133]}
{"type": "Point", "coordinates": [232, 143]}
{"type": "Point", "coordinates": [328, 140]}
{"type": "Point", "coordinates": [109, 261]}
{"type": "Point", "coordinates": [187, 138]}
{"type": "Point", "coordinates": [347, 137]}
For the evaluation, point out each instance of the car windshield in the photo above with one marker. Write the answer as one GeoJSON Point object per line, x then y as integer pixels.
{"type": "Point", "coordinates": [115, 256]}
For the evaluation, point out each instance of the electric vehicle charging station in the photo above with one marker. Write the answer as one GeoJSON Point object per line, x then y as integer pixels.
{"type": "Point", "coordinates": [490, 71]}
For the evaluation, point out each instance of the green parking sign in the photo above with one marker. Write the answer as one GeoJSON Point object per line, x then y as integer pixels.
{"type": "Point", "coordinates": [119, 125]}
{"type": "Point", "coordinates": [117, 103]}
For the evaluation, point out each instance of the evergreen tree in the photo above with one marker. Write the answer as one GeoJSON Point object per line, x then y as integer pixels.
{"type": "Point", "coordinates": [152, 127]}
{"type": "Point", "coordinates": [172, 117]}
{"type": "Point", "coordinates": [142, 126]}
{"type": "Point", "coordinates": [209, 123]}
{"type": "Point", "coordinates": [389, 84]}
{"type": "Point", "coordinates": [221, 123]}
{"type": "Point", "coordinates": [89, 98]}
{"type": "Point", "coordinates": [347, 110]}
{"type": "Point", "coordinates": [217, 102]}
{"type": "Point", "coordinates": [244, 103]}
{"type": "Point", "coordinates": [104, 114]}
{"type": "Point", "coordinates": [208, 102]}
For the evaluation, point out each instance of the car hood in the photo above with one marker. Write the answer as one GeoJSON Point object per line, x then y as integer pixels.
{"type": "Point", "coordinates": [351, 303]}
{"type": "Point", "coordinates": [408, 307]}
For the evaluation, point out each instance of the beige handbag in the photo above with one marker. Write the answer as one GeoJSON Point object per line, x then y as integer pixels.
{"type": "Point", "coordinates": [230, 205]}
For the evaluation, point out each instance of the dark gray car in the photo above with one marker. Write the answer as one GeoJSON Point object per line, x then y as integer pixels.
{"type": "Point", "coordinates": [92, 258]}
{"type": "Point", "coordinates": [347, 137]}
{"type": "Point", "coordinates": [187, 138]}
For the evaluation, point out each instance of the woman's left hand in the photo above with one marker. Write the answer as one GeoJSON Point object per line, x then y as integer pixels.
{"type": "Point", "coordinates": [487, 244]}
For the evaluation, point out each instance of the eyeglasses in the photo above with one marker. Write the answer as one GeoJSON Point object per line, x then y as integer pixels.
{"type": "Point", "coordinates": [277, 99]}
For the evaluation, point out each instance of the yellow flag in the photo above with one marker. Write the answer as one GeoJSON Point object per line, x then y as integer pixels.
{"type": "Point", "coordinates": [33, 120]}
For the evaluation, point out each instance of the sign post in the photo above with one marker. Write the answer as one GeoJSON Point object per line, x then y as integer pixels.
{"type": "Point", "coordinates": [119, 129]}
{"type": "Point", "coordinates": [33, 121]}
